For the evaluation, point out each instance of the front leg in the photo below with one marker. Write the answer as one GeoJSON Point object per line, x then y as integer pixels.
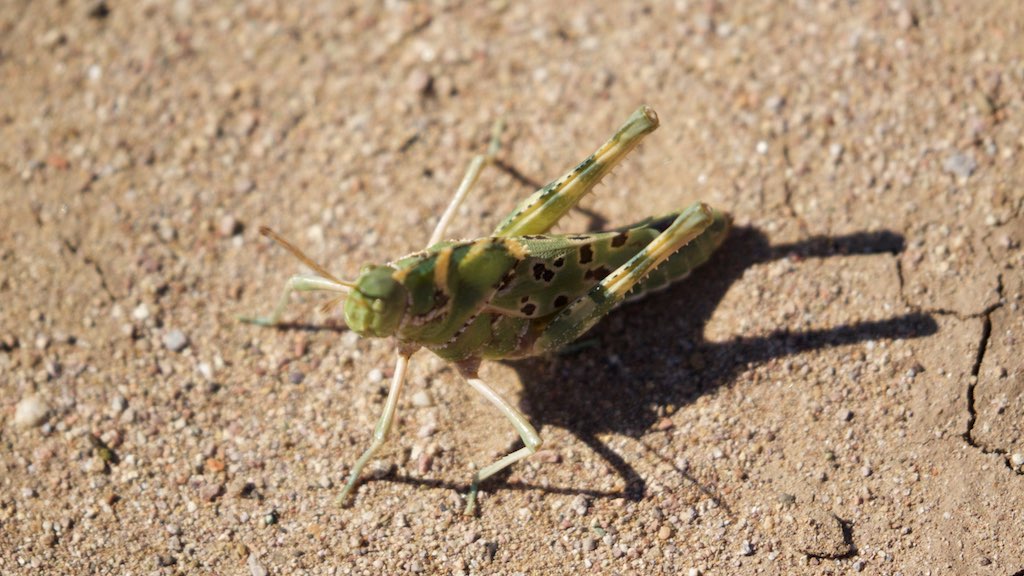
{"type": "Point", "coordinates": [526, 431]}
{"type": "Point", "coordinates": [297, 283]}
{"type": "Point", "coordinates": [380, 433]}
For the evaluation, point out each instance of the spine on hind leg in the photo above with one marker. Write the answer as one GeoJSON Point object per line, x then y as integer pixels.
{"type": "Point", "coordinates": [679, 265]}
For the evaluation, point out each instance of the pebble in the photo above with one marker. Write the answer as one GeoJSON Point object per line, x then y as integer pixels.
{"type": "Point", "coordinates": [580, 505]}
{"type": "Point", "coordinates": [665, 532]}
{"type": "Point", "coordinates": [31, 411]}
{"type": "Point", "coordinates": [375, 376]}
{"type": "Point", "coordinates": [119, 403]}
{"type": "Point", "coordinates": [229, 226]}
{"type": "Point", "coordinates": [296, 377]}
{"type": "Point", "coordinates": [960, 165]}
{"type": "Point", "coordinates": [255, 568]}
{"type": "Point", "coordinates": [270, 518]}
{"type": "Point", "coordinates": [421, 83]}
{"type": "Point", "coordinates": [210, 492]}
{"type": "Point", "coordinates": [166, 231]}
{"type": "Point", "coordinates": [906, 20]}
{"type": "Point", "coordinates": [244, 186]}
{"type": "Point", "coordinates": [427, 430]}
{"type": "Point", "coordinates": [589, 544]}
{"type": "Point", "coordinates": [845, 415]}
{"type": "Point", "coordinates": [8, 342]}
{"type": "Point", "coordinates": [425, 461]}
{"type": "Point", "coordinates": [421, 399]}
{"type": "Point", "coordinates": [819, 534]}
{"type": "Point", "coordinates": [1017, 460]}
{"type": "Point", "coordinates": [547, 456]}
{"type": "Point", "coordinates": [175, 340]}
{"type": "Point", "coordinates": [141, 312]}
{"type": "Point", "coordinates": [746, 548]}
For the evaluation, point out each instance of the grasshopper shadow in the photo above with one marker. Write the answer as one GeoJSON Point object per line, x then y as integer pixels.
{"type": "Point", "coordinates": [644, 358]}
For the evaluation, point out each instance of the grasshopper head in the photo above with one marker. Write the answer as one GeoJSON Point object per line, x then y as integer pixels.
{"type": "Point", "coordinates": [376, 306]}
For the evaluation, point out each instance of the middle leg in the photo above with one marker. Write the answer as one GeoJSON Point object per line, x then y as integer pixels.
{"type": "Point", "coordinates": [527, 432]}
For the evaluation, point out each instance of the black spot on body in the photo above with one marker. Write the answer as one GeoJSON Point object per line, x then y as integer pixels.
{"type": "Point", "coordinates": [524, 299]}
{"type": "Point", "coordinates": [620, 239]}
{"type": "Point", "coordinates": [561, 301]}
{"type": "Point", "coordinates": [528, 309]}
{"type": "Point", "coordinates": [558, 262]}
{"type": "Point", "coordinates": [598, 273]}
{"type": "Point", "coordinates": [586, 254]}
{"type": "Point", "coordinates": [541, 272]}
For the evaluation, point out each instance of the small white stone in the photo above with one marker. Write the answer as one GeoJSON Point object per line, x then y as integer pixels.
{"type": "Point", "coordinates": [175, 340]}
{"type": "Point", "coordinates": [119, 403]}
{"type": "Point", "coordinates": [31, 411]}
{"type": "Point", "coordinates": [421, 399]}
{"type": "Point", "coordinates": [141, 312]}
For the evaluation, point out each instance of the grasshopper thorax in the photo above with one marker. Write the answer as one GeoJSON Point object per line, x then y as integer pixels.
{"type": "Point", "coordinates": [377, 304]}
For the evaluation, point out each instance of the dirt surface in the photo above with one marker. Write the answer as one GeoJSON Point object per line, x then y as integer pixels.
{"type": "Point", "coordinates": [839, 390]}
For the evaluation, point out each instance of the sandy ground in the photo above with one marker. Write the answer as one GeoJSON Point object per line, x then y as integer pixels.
{"type": "Point", "coordinates": [840, 390]}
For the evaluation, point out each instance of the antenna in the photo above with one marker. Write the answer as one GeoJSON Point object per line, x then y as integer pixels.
{"type": "Point", "coordinates": [320, 270]}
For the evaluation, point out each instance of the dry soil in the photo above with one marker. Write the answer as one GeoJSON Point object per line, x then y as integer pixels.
{"type": "Point", "coordinates": [840, 390]}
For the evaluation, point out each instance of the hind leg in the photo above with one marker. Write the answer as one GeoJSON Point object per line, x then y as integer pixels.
{"type": "Point", "coordinates": [581, 315]}
{"type": "Point", "coordinates": [545, 207]}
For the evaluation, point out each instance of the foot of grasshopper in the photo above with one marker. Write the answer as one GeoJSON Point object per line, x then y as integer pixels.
{"type": "Point", "coordinates": [516, 293]}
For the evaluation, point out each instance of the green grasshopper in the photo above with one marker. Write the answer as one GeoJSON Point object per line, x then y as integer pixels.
{"type": "Point", "coordinates": [518, 292]}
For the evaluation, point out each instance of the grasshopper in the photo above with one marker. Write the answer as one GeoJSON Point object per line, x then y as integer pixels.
{"type": "Point", "coordinates": [518, 292]}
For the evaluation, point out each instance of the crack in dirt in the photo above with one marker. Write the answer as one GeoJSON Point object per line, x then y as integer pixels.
{"type": "Point", "coordinates": [787, 193]}
{"type": "Point", "coordinates": [972, 414]}
{"type": "Point", "coordinates": [103, 278]}
{"type": "Point", "coordinates": [946, 311]}
{"type": "Point", "coordinates": [986, 334]}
